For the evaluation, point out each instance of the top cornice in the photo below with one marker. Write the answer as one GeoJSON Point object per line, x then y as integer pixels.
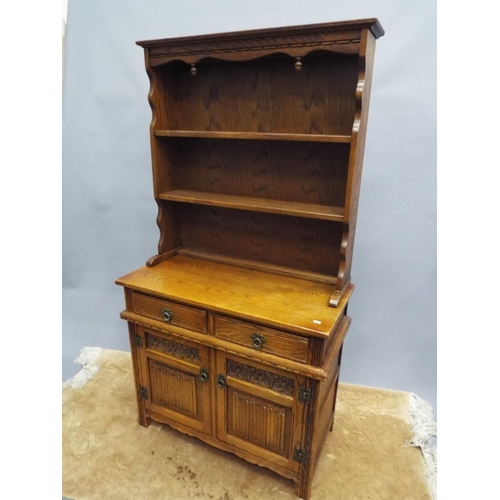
{"type": "Point", "coordinates": [307, 30]}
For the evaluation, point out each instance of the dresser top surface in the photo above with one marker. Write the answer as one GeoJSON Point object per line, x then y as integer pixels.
{"type": "Point", "coordinates": [290, 303]}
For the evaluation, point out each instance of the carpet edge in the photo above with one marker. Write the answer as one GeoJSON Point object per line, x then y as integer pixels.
{"type": "Point", "coordinates": [424, 428]}
{"type": "Point", "coordinates": [87, 358]}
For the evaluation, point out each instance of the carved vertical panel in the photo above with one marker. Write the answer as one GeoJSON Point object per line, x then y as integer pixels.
{"type": "Point", "coordinates": [259, 422]}
{"type": "Point", "coordinates": [174, 389]}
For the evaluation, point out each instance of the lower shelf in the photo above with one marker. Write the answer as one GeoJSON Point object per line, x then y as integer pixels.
{"type": "Point", "coordinates": [306, 210]}
{"type": "Point", "coordinates": [258, 266]}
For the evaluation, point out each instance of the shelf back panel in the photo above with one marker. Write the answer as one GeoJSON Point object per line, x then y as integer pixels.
{"type": "Point", "coordinates": [292, 242]}
{"type": "Point", "coordinates": [286, 171]}
{"type": "Point", "coordinates": [263, 95]}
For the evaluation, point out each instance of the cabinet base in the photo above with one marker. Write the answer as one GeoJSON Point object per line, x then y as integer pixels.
{"type": "Point", "coordinates": [216, 443]}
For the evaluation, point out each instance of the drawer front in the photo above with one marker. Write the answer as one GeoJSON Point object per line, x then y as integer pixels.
{"type": "Point", "coordinates": [261, 338]}
{"type": "Point", "coordinates": [170, 313]}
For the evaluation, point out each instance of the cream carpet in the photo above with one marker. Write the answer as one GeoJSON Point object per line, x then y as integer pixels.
{"type": "Point", "coordinates": [108, 455]}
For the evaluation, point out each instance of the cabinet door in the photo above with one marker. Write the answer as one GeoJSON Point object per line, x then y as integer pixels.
{"type": "Point", "coordinates": [175, 374]}
{"type": "Point", "coordinates": [258, 410]}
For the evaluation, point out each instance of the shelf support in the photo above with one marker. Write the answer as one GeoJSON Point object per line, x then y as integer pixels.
{"type": "Point", "coordinates": [156, 259]}
{"type": "Point", "coordinates": [338, 295]}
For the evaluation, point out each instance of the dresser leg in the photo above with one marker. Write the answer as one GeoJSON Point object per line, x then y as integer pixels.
{"type": "Point", "coordinates": [136, 342]}
{"type": "Point", "coordinates": [303, 489]}
{"type": "Point", "coordinates": [143, 419]}
{"type": "Point", "coordinates": [336, 387]}
{"type": "Point", "coordinates": [335, 390]}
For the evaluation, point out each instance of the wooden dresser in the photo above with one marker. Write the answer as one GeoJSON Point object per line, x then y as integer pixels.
{"type": "Point", "coordinates": [237, 324]}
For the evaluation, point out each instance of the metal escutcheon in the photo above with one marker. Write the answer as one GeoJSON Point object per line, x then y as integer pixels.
{"type": "Point", "coordinates": [167, 314]}
{"type": "Point", "coordinates": [221, 381]}
{"type": "Point", "coordinates": [203, 374]}
{"type": "Point", "coordinates": [258, 340]}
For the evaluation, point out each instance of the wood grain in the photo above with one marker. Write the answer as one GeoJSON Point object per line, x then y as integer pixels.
{"type": "Point", "coordinates": [299, 172]}
{"type": "Point", "coordinates": [184, 316]}
{"type": "Point", "coordinates": [265, 95]}
{"type": "Point", "coordinates": [135, 353]}
{"type": "Point", "coordinates": [259, 266]}
{"type": "Point", "coordinates": [300, 243]}
{"type": "Point", "coordinates": [259, 421]}
{"type": "Point", "coordinates": [262, 390]}
{"type": "Point", "coordinates": [174, 389]}
{"type": "Point", "coordinates": [268, 428]}
{"type": "Point", "coordinates": [262, 136]}
{"type": "Point", "coordinates": [263, 358]}
{"type": "Point", "coordinates": [174, 385]}
{"type": "Point", "coordinates": [239, 292]}
{"type": "Point", "coordinates": [276, 342]}
{"type": "Point", "coordinates": [363, 89]}
{"type": "Point", "coordinates": [212, 440]}
{"type": "Point", "coordinates": [303, 487]}
{"type": "Point", "coordinates": [167, 221]}
{"type": "Point", "coordinates": [272, 382]}
{"type": "Point", "coordinates": [259, 37]}
{"type": "Point", "coordinates": [170, 347]}
{"type": "Point", "coordinates": [256, 204]}
{"type": "Point", "coordinates": [257, 142]}
{"type": "Point", "coordinates": [341, 37]}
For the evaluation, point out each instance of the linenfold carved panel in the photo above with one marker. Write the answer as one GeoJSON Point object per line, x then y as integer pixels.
{"type": "Point", "coordinates": [272, 432]}
{"type": "Point", "coordinates": [173, 389]}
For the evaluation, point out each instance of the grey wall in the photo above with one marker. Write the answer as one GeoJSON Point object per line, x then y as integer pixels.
{"type": "Point", "coordinates": [109, 212]}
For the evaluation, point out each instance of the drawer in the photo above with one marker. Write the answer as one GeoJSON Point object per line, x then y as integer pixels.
{"type": "Point", "coordinates": [261, 338]}
{"type": "Point", "coordinates": [171, 313]}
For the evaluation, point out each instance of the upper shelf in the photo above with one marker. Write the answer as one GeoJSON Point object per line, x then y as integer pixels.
{"type": "Point", "coordinates": [306, 210]}
{"type": "Point", "coordinates": [209, 134]}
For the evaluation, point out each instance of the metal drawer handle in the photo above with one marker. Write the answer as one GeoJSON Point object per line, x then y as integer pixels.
{"type": "Point", "coordinates": [203, 374]}
{"type": "Point", "coordinates": [221, 381]}
{"type": "Point", "coordinates": [258, 340]}
{"type": "Point", "coordinates": [167, 314]}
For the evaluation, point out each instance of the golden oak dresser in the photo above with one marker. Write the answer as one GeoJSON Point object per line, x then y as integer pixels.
{"type": "Point", "coordinates": [237, 324]}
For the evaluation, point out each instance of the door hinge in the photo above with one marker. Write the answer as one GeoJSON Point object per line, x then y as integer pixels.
{"type": "Point", "coordinates": [300, 455]}
{"type": "Point", "coordinates": [304, 395]}
{"type": "Point", "coordinates": [137, 340]}
{"type": "Point", "coordinates": [143, 392]}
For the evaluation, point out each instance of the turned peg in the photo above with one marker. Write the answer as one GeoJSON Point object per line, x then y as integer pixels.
{"type": "Point", "coordinates": [298, 64]}
{"type": "Point", "coordinates": [193, 70]}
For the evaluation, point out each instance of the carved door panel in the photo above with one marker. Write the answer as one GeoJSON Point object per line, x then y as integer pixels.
{"type": "Point", "coordinates": [175, 374]}
{"type": "Point", "coordinates": [258, 410]}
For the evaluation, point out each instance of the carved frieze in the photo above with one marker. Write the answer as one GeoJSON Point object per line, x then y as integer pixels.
{"type": "Point", "coordinates": [173, 348]}
{"type": "Point", "coordinates": [263, 378]}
